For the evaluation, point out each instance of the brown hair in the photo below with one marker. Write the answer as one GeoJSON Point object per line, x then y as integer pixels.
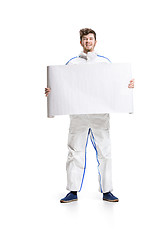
{"type": "Point", "coordinates": [86, 31]}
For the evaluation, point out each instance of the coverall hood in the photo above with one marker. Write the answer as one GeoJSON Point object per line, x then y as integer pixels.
{"type": "Point", "coordinates": [88, 56]}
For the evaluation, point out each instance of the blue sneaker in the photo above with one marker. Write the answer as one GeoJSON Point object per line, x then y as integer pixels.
{"type": "Point", "coordinates": [70, 197]}
{"type": "Point", "coordinates": [108, 196]}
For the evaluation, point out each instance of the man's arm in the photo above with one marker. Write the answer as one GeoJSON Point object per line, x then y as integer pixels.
{"type": "Point", "coordinates": [47, 90]}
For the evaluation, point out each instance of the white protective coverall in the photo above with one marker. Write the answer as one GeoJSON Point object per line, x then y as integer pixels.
{"type": "Point", "coordinates": [81, 127]}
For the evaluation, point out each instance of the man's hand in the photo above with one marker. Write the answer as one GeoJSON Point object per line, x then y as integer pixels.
{"type": "Point", "coordinates": [131, 84]}
{"type": "Point", "coordinates": [47, 91]}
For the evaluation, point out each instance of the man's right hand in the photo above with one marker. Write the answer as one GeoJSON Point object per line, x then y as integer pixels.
{"type": "Point", "coordinates": [47, 91]}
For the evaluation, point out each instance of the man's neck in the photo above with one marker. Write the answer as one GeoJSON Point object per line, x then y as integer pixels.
{"type": "Point", "coordinates": [87, 51]}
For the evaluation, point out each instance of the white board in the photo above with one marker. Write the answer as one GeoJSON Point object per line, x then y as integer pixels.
{"type": "Point", "coordinates": [89, 89]}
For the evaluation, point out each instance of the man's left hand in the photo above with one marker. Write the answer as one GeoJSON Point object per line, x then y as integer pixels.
{"type": "Point", "coordinates": [131, 84]}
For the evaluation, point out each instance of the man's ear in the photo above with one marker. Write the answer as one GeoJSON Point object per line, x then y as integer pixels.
{"type": "Point", "coordinates": [81, 43]}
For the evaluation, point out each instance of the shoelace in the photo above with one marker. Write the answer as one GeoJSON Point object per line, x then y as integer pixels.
{"type": "Point", "coordinates": [109, 193]}
{"type": "Point", "coordinates": [68, 194]}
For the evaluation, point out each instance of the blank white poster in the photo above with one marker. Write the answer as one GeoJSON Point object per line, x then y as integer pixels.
{"type": "Point", "coordinates": [89, 89]}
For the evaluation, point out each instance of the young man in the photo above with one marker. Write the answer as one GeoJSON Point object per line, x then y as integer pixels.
{"type": "Point", "coordinates": [95, 126]}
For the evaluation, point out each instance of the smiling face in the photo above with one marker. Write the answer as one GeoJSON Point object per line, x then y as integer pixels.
{"type": "Point", "coordinates": [88, 43]}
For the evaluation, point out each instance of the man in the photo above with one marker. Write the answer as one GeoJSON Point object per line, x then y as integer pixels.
{"type": "Point", "coordinates": [84, 125]}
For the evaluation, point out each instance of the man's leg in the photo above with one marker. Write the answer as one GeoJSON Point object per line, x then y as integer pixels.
{"type": "Point", "coordinates": [76, 162]}
{"type": "Point", "coordinates": [101, 141]}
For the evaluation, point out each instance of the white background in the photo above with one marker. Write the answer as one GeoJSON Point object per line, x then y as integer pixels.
{"type": "Point", "coordinates": [35, 34]}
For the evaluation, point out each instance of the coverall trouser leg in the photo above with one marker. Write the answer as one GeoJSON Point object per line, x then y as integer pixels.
{"type": "Point", "coordinates": [77, 145]}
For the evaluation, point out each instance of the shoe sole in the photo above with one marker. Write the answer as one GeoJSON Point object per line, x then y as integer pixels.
{"type": "Point", "coordinates": [63, 201]}
{"type": "Point", "coordinates": [116, 200]}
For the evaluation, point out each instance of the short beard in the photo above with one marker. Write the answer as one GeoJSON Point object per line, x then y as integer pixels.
{"type": "Point", "coordinates": [89, 50]}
